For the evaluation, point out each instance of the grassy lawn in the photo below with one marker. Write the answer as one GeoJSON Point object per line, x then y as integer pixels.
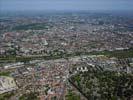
{"type": "Point", "coordinates": [4, 73]}
{"type": "Point", "coordinates": [36, 26]}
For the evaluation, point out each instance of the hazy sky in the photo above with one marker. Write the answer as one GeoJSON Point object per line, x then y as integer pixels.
{"type": "Point", "coordinates": [22, 5]}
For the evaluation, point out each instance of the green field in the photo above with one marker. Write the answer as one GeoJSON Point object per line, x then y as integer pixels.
{"type": "Point", "coordinates": [4, 73]}
{"type": "Point", "coordinates": [36, 26]}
